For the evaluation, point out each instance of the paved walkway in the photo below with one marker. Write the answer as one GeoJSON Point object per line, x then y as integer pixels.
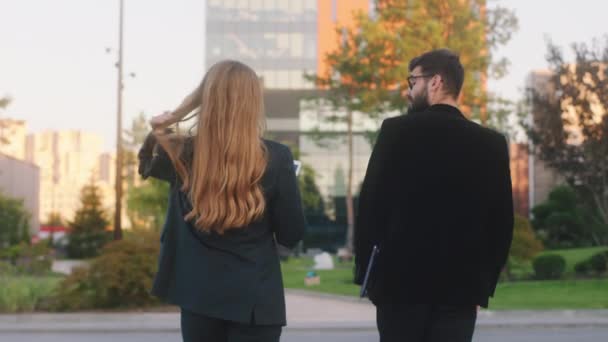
{"type": "Point", "coordinates": [305, 311]}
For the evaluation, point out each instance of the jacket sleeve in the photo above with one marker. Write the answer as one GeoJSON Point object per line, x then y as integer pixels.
{"type": "Point", "coordinates": [370, 221]}
{"type": "Point", "coordinates": [500, 229]}
{"type": "Point", "coordinates": [286, 213]}
{"type": "Point", "coordinates": [154, 161]}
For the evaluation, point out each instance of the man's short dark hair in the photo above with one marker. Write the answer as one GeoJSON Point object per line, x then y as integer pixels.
{"type": "Point", "coordinates": [445, 63]}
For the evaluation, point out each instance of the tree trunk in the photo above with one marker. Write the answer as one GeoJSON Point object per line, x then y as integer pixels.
{"type": "Point", "coordinates": [350, 213]}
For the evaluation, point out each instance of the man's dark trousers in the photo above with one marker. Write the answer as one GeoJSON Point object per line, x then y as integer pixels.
{"type": "Point", "coordinates": [425, 322]}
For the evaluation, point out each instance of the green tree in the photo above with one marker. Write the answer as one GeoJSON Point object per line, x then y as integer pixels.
{"type": "Point", "coordinates": [563, 220]}
{"type": "Point", "coordinates": [368, 72]}
{"type": "Point", "coordinates": [88, 230]}
{"type": "Point", "coordinates": [4, 102]}
{"type": "Point", "coordinates": [312, 200]}
{"type": "Point", "coordinates": [525, 245]}
{"type": "Point", "coordinates": [148, 203]}
{"type": "Point", "coordinates": [133, 139]}
{"type": "Point", "coordinates": [570, 126]}
{"type": "Point", "coordinates": [14, 221]}
{"type": "Point", "coordinates": [53, 220]}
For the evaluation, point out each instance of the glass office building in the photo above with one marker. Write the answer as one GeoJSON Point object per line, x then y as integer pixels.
{"type": "Point", "coordinates": [277, 38]}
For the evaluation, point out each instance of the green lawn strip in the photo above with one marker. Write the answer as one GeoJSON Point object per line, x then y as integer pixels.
{"type": "Point", "coordinates": [576, 255]}
{"type": "Point", "coordinates": [544, 295]}
{"type": "Point", "coordinates": [572, 257]}
{"type": "Point", "coordinates": [522, 295]}
{"type": "Point", "coordinates": [24, 293]}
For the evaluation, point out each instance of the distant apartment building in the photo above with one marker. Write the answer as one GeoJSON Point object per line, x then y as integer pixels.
{"type": "Point", "coordinates": [12, 138]}
{"type": "Point", "coordinates": [68, 160]}
{"type": "Point", "coordinates": [20, 179]}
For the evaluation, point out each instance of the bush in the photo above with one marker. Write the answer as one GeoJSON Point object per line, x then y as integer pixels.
{"type": "Point", "coordinates": [28, 259]}
{"type": "Point", "coordinates": [121, 276]}
{"type": "Point", "coordinates": [525, 245]}
{"type": "Point", "coordinates": [550, 266]}
{"type": "Point", "coordinates": [597, 263]}
{"type": "Point", "coordinates": [23, 293]}
{"type": "Point", "coordinates": [564, 220]}
{"type": "Point", "coordinates": [7, 269]}
{"type": "Point", "coordinates": [83, 245]}
{"type": "Point", "coordinates": [583, 267]}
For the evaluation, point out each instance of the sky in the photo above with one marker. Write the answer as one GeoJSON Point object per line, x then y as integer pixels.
{"type": "Point", "coordinates": [55, 67]}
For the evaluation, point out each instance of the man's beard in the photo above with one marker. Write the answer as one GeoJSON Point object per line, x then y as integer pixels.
{"type": "Point", "coordinates": [419, 103]}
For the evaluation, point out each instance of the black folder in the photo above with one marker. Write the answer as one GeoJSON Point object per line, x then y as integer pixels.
{"type": "Point", "coordinates": [368, 271]}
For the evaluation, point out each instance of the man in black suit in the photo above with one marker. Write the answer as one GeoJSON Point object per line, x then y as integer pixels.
{"type": "Point", "coordinates": [437, 200]}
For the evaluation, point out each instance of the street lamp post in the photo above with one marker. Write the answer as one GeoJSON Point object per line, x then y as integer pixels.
{"type": "Point", "coordinates": [119, 154]}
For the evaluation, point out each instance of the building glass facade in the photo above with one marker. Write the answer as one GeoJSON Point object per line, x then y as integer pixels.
{"type": "Point", "coordinates": [277, 38]}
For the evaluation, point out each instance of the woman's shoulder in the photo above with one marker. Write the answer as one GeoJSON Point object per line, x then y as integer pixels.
{"type": "Point", "coordinates": [277, 151]}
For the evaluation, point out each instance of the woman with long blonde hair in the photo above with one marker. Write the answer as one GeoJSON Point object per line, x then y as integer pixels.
{"type": "Point", "coordinates": [233, 197]}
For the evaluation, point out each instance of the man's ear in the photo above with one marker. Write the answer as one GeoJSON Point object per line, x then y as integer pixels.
{"type": "Point", "coordinates": [436, 82]}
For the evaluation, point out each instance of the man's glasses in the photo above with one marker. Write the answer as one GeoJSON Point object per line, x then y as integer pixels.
{"type": "Point", "coordinates": [411, 79]}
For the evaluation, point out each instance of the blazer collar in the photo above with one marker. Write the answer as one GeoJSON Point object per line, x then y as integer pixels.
{"type": "Point", "coordinates": [442, 110]}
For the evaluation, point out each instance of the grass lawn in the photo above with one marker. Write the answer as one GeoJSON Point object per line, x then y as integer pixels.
{"type": "Point", "coordinates": [576, 255]}
{"type": "Point", "coordinates": [544, 295]}
{"type": "Point", "coordinates": [336, 281]}
{"type": "Point", "coordinates": [25, 293]}
{"type": "Point", "coordinates": [572, 256]}
{"type": "Point", "coordinates": [565, 294]}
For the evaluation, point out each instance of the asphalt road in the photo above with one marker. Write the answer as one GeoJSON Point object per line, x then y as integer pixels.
{"type": "Point", "coordinates": [577, 334]}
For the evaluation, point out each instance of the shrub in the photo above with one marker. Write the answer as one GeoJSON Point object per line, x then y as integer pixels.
{"type": "Point", "coordinates": [550, 266]}
{"type": "Point", "coordinates": [525, 245]}
{"type": "Point", "coordinates": [583, 267]}
{"type": "Point", "coordinates": [86, 244]}
{"type": "Point", "coordinates": [24, 293]}
{"type": "Point", "coordinates": [597, 263]}
{"type": "Point", "coordinates": [121, 276]}
{"type": "Point", "coordinates": [7, 269]}
{"type": "Point", "coordinates": [28, 259]}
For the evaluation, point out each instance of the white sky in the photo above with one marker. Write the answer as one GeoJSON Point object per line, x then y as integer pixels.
{"type": "Point", "coordinates": [54, 65]}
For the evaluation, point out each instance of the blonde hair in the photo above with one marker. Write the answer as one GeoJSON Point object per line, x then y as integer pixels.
{"type": "Point", "coordinates": [229, 157]}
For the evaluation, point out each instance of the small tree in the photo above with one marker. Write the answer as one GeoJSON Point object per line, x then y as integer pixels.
{"type": "Point", "coordinates": [88, 230]}
{"type": "Point", "coordinates": [4, 102]}
{"type": "Point", "coordinates": [525, 245]}
{"type": "Point", "coordinates": [53, 220]}
{"type": "Point", "coordinates": [14, 222]}
{"type": "Point", "coordinates": [148, 203]}
{"type": "Point", "coordinates": [563, 220]}
{"type": "Point", "coordinates": [312, 200]}
{"type": "Point", "coordinates": [134, 138]}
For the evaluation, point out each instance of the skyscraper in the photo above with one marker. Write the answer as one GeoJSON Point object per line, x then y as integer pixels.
{"type": "Point", "coordinates": [280, 39]}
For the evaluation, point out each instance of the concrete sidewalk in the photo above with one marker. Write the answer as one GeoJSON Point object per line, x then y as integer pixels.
{"type": "Point", "coordinates": [305, 311]}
